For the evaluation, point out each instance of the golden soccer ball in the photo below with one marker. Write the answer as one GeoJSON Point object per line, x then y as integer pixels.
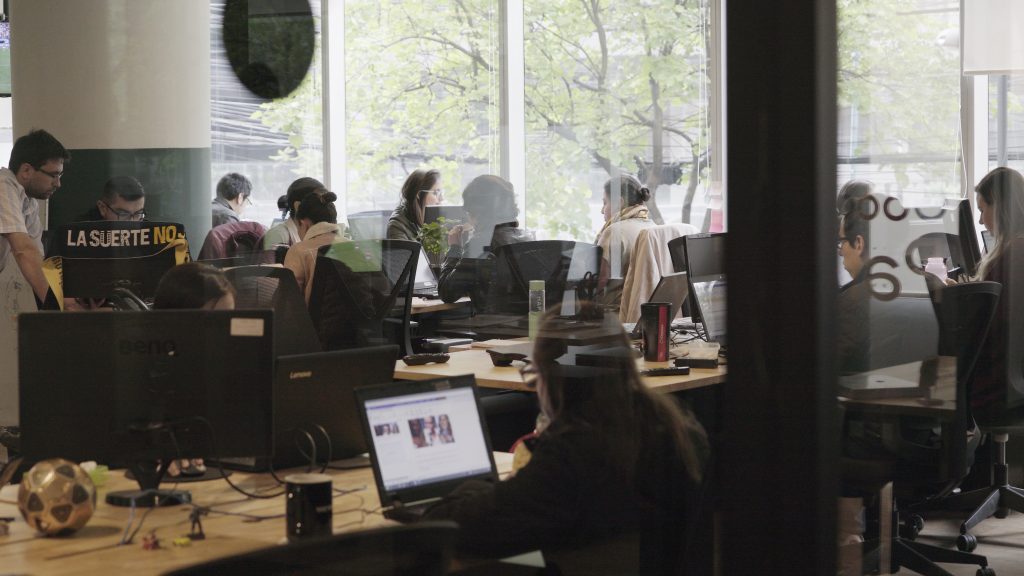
{"type": "Point", "coordinates": [56, 497]}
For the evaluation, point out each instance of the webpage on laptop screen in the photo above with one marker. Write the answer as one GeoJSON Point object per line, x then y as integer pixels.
{"type": "Point", "coordinates": [426, 438]}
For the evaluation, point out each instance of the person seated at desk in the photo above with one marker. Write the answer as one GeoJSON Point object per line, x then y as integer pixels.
{"type": "Point", "coordinates": [490, 206]}
{"type": "Point", "coordinates": [614, 461]}
{"type": "Point", "coordinates": [625, 215]}
{"type": "Point", "coordinates": [421, 189]}
{"type": "Point", "coordinates": [853, 335]}
{"type": "Point", "coordinates": [123, 199]}
{"type": "Point", "coordinates": [233, 192]}
{"type": "Point", "coordinates": [193, 285]}
{"type": "Point", "coordinates": [1000, 198]}
{"type": "Point", "coordinates": [318, 225]}
{"type": "Point", "coordinates": [287, 233]}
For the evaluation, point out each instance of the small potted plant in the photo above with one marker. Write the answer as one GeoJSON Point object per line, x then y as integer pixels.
{"type": "Point", "coordinates": [434, 239]}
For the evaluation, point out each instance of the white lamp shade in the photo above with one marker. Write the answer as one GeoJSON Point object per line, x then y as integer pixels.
{"type": "Point", "coordinates": [993, 36]}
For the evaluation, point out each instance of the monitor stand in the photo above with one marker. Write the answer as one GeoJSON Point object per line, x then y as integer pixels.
{"type": "Point", "coordinates": [148, 474]}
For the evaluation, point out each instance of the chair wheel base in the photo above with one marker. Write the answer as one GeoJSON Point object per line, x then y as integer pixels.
{"type": "Point", "coordinates": [966, 543]}
{"type": "Point", "coordinates": [986, 571]}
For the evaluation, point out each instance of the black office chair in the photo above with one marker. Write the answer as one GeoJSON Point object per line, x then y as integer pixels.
{"type": "Point", "coordinates": [999, 497]}
{"type": "Point", "coordinates": [560, 263]}
{"type": "Point", "coordinates": [677, 251]}
{"type": "Point", "coordinates": [964, 313]}
{"type": "Point", "coordinates": [361, 287]}
{"type": "Point", "coordinates": [275, 288]}
{"type": "Point", "coordinates": [422, 549]}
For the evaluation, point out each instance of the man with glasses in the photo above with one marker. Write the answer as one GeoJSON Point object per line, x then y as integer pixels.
{"type": "Point", "coordinates": [233, 192]}
{"type": "Point", "coordinates": [123, 200]}
{"type": "Point", "coordinates": [33, 173]}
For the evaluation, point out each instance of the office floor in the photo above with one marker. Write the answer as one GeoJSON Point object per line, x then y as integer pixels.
{"type": "Point", "coordinates": [1002, 541]}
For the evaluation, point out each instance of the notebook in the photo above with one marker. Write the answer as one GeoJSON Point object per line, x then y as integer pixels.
{"type": "Point", "coordinates": [426, 282]}
{"type": "Point", "coordinates": [671, 288]}
{"type": "Point", "coordinates": [426, 437]}
{"type": "Point", "coordinates": [313, 390]}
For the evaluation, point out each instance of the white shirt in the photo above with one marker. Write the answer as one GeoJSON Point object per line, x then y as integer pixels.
{"type": "Point", "coordinates": [18, 213]}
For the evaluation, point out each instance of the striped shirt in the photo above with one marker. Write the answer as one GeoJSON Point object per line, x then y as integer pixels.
{"type": "Point", "coordinates": [18, 213]}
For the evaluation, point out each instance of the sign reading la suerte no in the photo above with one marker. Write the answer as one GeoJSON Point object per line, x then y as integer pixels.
{"type": "Point", "coordinates": [118, 238]}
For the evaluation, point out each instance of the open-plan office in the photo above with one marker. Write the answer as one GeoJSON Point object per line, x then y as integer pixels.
{"type": "Point", "coordinates": [740, 122]}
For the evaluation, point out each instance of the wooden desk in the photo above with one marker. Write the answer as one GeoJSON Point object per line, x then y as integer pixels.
{"type": "Point", "coordinates": [94, 549]}
{"type": "Point", "coordinates": [939, 401]}
{"type": "Point", "coordinates": [478, 362]}
{"type": "Point", "coordinates": [426, 305]}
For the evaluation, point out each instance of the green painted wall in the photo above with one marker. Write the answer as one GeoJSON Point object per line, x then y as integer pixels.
{"type": "Point", "coordinates": [176, 180]}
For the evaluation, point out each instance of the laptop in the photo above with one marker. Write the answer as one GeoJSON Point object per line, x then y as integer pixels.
{"type": "Point", "coordinates": [426, 282]}
{"type": "Point", "coordinates": [426, 437]}
{"type": "Point", "coordinates": [316, 390]}
{"type": "Point", "coordinates": [672, 288]}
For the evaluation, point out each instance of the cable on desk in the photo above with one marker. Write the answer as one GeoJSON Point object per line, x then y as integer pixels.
{"type": "Point", "coordinates": [127, 538]}
{"type": "Point", "coordinates": [220, 465]}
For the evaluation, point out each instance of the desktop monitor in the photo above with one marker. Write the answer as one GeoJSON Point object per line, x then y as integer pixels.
{"type": "Point", "coordinates": [369, 225]}
{"type": "Point", "coordinates": [452, 214]}
{"type": "Point", "coordinates": [98, 257]}
{"type": "Point", "coordinates": [139, 387]}
{"type": "Point", "coordinates": [969, 248]}
{"type": "Point", "coordinates": [705, 263]}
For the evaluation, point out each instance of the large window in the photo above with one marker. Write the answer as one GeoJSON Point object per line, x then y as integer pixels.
{"type": "Point", "coordinates": [1006, 121]}
{"type": "Point", "coordinates": [421, 90]}
{"type": "Point", "coordinates": [899, 97]}
{"type": "Point", "coordinates": [615, 87]}
{"type": "Point", "coordinates": [272, 142]}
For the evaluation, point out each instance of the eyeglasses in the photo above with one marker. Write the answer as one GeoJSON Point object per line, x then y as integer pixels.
{"type": "Point", "coordinates": [528, 373]}
{"type": "Point", "coordinates": [124, 215]}
{"type": "Point", "coordinates": [248, 201]}
{"type": "Point", "coordinates": [439, 193]}
{"type": "Point", "coordinates": [839, 242]}
{"type": "Point", "coordinates": [54, 175]}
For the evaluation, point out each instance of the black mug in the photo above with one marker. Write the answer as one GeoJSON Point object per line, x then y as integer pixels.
{"type": "Point", "coordinates": [654, 325]}
{"type": "Point", "coordinates": [309, 511]}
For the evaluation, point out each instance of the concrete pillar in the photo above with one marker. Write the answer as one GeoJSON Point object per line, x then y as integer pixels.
{"type": "Point", "coordinates": [125, 86]}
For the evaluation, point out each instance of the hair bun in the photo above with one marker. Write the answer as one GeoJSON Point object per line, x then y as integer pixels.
{"type": "Point", "coordinates": [282, 203]}
{"type": "Point", "coordinates": [644, 193]}
{"type": "Point", "coordinates": [329, 197]}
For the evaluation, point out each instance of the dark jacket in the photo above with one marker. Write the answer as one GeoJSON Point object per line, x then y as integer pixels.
{"type": "Point", "coordinates": [854, 334]}
{"type": "Point", "coordinates": [222, 212]}
{"type": "Point", "coordinates": [988, 385]}
{"type": "Point", "coordinates": [570, 497]}
{"type": "Point", "coordinates": [480, 277]}
{"type": "Point", "coordinates": [401, 227]}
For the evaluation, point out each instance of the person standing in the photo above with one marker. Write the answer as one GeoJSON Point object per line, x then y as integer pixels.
{"type": "Point", "coordinates": [33, 173]}
{"type": "Point", "coordinates": [233, 192]}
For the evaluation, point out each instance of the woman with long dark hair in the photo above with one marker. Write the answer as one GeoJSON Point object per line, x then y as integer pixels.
{"type": "Point", "coordinates": [1000, 198]}
{"type": "Point", "coordinates": [614, 461]}
{"type": "Point", "coordinates": [318, 225]}
{"type": "Point", "coordinates": [421, 189]}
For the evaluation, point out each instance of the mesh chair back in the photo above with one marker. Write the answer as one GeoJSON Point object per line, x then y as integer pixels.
{"type": "Point", "coordinates": [275, 288]}
{"type": "Point", "coordinates": [356, 285]}
{"type": "Point", "coordinates": [560, 263]}
{"type": "Point", "coordinates": [421, 549]}
{"type": "Point", "coordinates": [964, 312]}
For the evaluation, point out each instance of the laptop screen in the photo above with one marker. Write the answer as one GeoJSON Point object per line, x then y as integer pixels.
{"type": "Point", "coordinates": [425, 278]}
{"type": "Point", "coordinates": [426, 437]}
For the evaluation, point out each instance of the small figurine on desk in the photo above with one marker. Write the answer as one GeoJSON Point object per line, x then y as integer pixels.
{"type": "Point", "coordinates": [150, 541]}
{"type": "Point", "coordinates": [5, 525]}
{"type": "Point", "coordinates": [196, 533]}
